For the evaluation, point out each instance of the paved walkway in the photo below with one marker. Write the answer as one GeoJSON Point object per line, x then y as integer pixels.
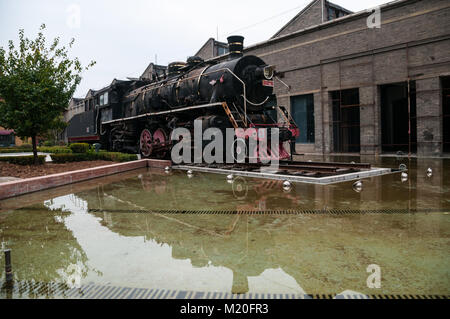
{"type": "Point", "coordinates": [47, 158]}
{"type": "Point", "coordinates": [8, 179]}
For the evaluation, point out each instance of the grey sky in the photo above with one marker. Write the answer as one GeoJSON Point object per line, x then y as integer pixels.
{"type": "Point", "coordinates": [124, 36]}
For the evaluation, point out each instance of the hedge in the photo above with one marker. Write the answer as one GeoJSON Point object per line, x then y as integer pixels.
{"type": "Point", "coordinates": [54, 149]}
{"type": "Point", "coordinates": [15, 150]}
{"type": "Point", "coordinates": [43, 149]}
{"type": "Point", "coordinates": [105, 156]}
{"type": "Point", "coordinates": [116, 157]}
{"type": "Point", "coordinates": [22, 160]}
{"type": "Point", "coordinates": [79, 147]}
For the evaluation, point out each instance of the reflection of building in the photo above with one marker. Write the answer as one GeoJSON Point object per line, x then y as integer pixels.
{"type": "Point", "coordinates": [43, 248]}
{"type": "Point", "coordinates": [320, 253]}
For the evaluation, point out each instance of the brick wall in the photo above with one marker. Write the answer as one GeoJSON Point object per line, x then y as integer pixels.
{"type": "Point", "coordinates": [413, 43]}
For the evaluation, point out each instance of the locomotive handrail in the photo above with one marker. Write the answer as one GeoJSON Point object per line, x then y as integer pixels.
{"type": "Point", "coordinates": [164, 112]}
{"type": "Point", "coordinates": [200, 76]}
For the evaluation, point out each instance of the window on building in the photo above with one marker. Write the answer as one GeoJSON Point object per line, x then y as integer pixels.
{"type": "Point", "coordinates": [302, 110]}
{"type": "Point", "coordinates": [330, 14]}
{"type": "Point", "coordinates": [105, 98]}
{"type": "Point", "coordinates": [346, 121]}
{"type": "Point", "coordinates": [7, 140]}
{"type": "Point", "coordinates": [101, 100]}
{"type": "Point", "coordinates": [222, 50]}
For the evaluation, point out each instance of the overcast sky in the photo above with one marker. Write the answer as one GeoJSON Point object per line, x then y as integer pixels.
{"type": "Point", "coordinates": [123, 37]}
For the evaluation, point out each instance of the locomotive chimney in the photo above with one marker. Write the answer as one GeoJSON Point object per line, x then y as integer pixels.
{"type": "Point", "coordinates": [236, 46]}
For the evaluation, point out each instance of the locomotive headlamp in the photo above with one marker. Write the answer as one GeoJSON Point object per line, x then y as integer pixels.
{"type": "Point", "coordinates": [269, 72]}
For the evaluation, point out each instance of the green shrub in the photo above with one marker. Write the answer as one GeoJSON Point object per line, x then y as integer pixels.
{"type": "Point", "coordinates": [116, 157]}
{"type": "Point", "coordinates": [22, 160]}
{"type": "Point", "coordinates": [14, 150]}
{"type": "Point", "coordinates": [79, 147]}
{"type": "Point", "coordinates": [69, 157]}
{"type": "Point", "coordinates": [54, 149]}
{"type": "Point", "coordinates": [25, 146]}
{"type": "Point", "coordinates": [49, 143]}
{"type": "Point", "coordinates": [101, 156]}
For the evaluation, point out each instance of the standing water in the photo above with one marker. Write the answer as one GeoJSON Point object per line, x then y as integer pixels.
{"type": "Point", "coordinates": [155, 229]}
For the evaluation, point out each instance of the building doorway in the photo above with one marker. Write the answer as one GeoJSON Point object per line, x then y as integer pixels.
{"type": "Point", "coordinates": [445, 84]}
{"type": "Point", "coordinates": [302, 110]}
{"type": "Point", "coordinates": [346, 121]}
{"type": "Point", "coordinates": [398, 115]}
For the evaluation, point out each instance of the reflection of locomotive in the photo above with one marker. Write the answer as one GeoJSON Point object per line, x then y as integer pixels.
{"type": "Point", "coordinates": [235, 93]}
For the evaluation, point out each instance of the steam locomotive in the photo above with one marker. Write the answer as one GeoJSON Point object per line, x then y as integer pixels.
{"type": "Point", "coordinates": [235, 93]}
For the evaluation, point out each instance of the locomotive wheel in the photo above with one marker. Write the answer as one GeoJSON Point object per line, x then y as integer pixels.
{"type": "Point", "coordinates": [160, 137]}
{"type": "Point", "coordinates": [239, 149]}
{"type": "Point", "coordinates": [146, 143]}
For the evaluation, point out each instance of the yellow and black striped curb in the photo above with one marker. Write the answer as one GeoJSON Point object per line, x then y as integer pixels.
{"type": "Point", "coordinates": [262, 212]}
{"type": "Point", "coordinates": [275, 212]}
{"type": "Point", "coordinates": [28, 289]}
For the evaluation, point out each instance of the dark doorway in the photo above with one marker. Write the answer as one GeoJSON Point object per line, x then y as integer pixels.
{"type": "Point", "coordinates": [346, 121]}
{"type": "Point", "coordinates": [446, 113]}
{"type": "Point", "coordinates": [302, 109]}
{"type": "Point", "coordinates": [397, 115]}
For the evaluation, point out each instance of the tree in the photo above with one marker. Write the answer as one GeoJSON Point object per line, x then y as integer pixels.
{"type": "Point", "coordinates": [36, 85]}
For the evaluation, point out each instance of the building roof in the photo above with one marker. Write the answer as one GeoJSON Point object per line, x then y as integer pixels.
{"type": "Point", "coordinates": [212, 41]}
{"type": "Point", "coordinates": [305, 11]}
{"type": "Point", "coordinates": [327, 24]}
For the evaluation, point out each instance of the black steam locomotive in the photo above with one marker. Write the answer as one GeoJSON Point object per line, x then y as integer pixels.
{"type": "Point", "coordinates": [235, 93]}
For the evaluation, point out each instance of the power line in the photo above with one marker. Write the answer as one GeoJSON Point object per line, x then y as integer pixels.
{"type": "Point", "coordinates": [267, 19]}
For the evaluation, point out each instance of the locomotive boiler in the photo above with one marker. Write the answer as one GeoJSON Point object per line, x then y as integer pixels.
{"type": "Point", "coordinates": [233, 93]}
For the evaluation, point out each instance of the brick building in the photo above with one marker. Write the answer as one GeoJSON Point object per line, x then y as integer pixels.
{"type": "Point", "coordinates": [355, 89]}
{"type": "Point", "coordinates": [211, 49]}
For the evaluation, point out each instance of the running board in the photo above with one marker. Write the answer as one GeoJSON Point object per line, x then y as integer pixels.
{"type": "Point", "coordinates": [163, 112]}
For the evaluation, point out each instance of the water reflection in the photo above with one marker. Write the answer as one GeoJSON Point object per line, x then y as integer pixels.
{"type": "Point", "coordinates": [97, 233]}
{"type": "Point", "coordinates": [43, 249]}
{"type": "Point", "coordinates": [175, 191]}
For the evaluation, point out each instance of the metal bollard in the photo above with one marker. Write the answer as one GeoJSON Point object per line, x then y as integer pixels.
{"type": "Point", "coordinates": [8, 267]}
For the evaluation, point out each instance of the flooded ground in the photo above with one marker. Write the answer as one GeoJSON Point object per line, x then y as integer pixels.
{"type": "Point", "coordinates": [149, 229]}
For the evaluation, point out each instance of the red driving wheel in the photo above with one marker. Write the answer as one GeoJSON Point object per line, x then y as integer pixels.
{"type": "Point", "coordinates": [160, 138]}
{"type": "Point", "coordinates": [146, 143]}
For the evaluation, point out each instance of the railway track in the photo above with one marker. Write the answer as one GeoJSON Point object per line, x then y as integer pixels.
{"type": "Point", "coordinates": [293, 168]}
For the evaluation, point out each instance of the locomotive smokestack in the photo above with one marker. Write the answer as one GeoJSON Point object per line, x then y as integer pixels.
{"type": "Point", "coordinates": [236, 46]}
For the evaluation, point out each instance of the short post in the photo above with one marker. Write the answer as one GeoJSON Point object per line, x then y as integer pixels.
{"type": "Point", "coordinates": [8, 267]}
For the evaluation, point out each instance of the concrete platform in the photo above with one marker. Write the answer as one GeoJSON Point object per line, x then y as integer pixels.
{"type": "Point", "coordinates": [265, 173]}
{"type": "Point", "coordinates": [35, 184]}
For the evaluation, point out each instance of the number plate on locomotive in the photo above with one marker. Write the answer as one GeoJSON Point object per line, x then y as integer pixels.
{"type": "Point", "coordinates": [267, 83]}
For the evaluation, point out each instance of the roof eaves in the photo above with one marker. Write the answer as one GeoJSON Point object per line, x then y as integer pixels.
{"type": "Point", "coordinates": [295, 18]}
{"type": "Point", "coordinates": [349, 17]}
